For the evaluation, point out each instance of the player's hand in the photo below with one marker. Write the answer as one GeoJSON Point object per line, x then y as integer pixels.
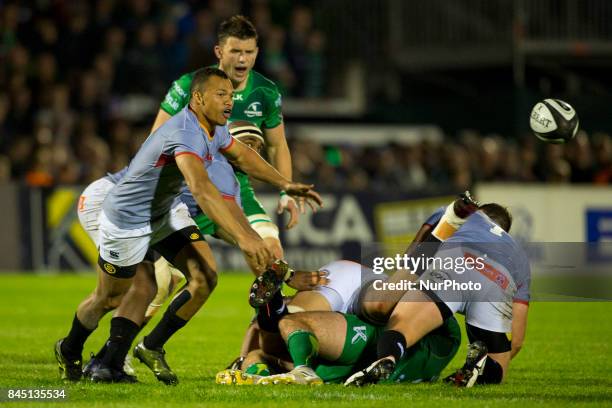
{"type": "Point", "coordinates": [308, 280]}
{"type": "Point", "coordinates": [287, 203]}
{"type": "Point", "coordinates": [305, 194]}
{"type": "Point", "coordinates": [257, 252]}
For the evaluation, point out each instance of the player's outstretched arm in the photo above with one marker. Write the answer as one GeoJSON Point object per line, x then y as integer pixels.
{"type": "Point", "coordinates": [278, 150]}
{"type": "Point", "coordinates": [210, 201]}
{"type": "Point", "coordinates": [519, 326]}
{"type": "Point", "coordinates": [253, 164]}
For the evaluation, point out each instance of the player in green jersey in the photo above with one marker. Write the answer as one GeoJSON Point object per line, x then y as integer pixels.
{"type": "Point", "coordinates": [257, 100]}
{"type": "Point", "coordinates": [329, 347]}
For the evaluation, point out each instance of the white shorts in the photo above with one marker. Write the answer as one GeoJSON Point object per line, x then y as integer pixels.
{"type": "Point", "coordinates": [90, 206]}
{"type": "Point", "coordinates": [346, 278]}
{"type": "Point", "coordinates": [127, 247]}
{"type": "Point", "coordinates": [488, 308]}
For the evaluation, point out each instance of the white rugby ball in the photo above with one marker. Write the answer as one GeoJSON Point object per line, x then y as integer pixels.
{"type": "Point", "coordinates": [554, 121]}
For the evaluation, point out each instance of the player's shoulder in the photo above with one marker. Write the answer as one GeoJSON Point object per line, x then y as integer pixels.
{"type": "Point", "coordinates": [259, 81]}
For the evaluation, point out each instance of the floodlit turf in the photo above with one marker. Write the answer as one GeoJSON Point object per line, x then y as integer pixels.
{"type": "Point", "coordinates": [567, 358]}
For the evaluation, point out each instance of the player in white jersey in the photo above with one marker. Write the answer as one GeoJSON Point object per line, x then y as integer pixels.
{"type": "Point", "coordinates": [136, 215]}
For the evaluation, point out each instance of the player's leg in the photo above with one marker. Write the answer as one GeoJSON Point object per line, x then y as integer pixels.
{"type": "Point", "coordinates": [429, 356]}
{"type": "Point", "coordinates": [192, 256]}
{"type": "Point", "coordinates": [413, 317]}
{"type": "Point", "coordinates": [167, 279]}
{"type": "Point", "coordinates": [106, 296]}
{"type": "Point", "coordinates": [310, 335]}
{"type": "Point", "coordinates": [375, 306]}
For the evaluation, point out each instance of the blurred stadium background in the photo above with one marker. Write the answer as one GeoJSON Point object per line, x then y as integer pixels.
{"type": "Point", "coordinates": [390, 106]}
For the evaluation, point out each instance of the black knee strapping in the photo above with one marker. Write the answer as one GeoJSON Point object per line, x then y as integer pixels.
{"type": "Point", "coordinates": [179, 301]}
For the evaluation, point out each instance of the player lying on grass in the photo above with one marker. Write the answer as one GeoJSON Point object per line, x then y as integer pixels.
{"type": "Point", "coordinates": [343, 293]}
{"type": "Point", "coordinates": [330, 346]}
{"type": "Point", "coordinates": [499, 307]}
{"type": "Point", "coordinates": [136, 215]}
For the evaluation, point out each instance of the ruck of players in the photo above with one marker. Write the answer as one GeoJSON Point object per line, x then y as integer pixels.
{"type": "Point", "coordinates": [190, 182]}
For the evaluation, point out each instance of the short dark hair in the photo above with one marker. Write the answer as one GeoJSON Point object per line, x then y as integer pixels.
{"type": "Point", "coordinates": [498, 214]}
{"type": "Point", "coordinates": [200, 77]}
{"type": "Point", "coordinates": [236, 26]}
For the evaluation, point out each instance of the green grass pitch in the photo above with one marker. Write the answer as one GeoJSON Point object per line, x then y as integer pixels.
{"type": "Point", "coordinates": [567, 358]}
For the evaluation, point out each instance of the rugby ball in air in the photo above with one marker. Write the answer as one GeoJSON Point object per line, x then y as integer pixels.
{"type": "Point", "coordinates": [554, 121]}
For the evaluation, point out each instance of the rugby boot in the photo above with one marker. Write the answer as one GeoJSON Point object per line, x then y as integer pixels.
{"type": "Point", "coordinates": [102, 373]}
{"type": "Point", "coordinates": [379, 370]}
{"type": "Point", "coordinates": [91, 365]}
{"type": "Point", "coordinates": [69, 369]}
{"type": "Point", "coordinates": [475, 361]}
{"type": "Point", "coordinates": [465, 205]}
{"type": "Point", "coordinates": [156, 361]}
{"type": "Point", "coordinates": [236, 377]}
{"type": "Point", "coordinates": [302, 375]}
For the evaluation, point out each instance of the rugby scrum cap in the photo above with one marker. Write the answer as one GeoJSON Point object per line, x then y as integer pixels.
{"type": "Point", "coordinates": [244, 128]}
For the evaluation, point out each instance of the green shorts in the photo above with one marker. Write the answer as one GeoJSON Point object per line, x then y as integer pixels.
{"type": "Point", "coordinates": [422, 362]}
{"type": "Point", "coordinates": [250, 205]}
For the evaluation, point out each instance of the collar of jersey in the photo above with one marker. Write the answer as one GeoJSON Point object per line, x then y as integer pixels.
{"type": "Point", "coordinates": [194, 117]}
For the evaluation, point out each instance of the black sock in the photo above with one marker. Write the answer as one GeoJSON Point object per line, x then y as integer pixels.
{"type": "Point", "coordinates": [270, 314]}
{"type": "Point", "coordinates": [122, 333]}
{"type": "Point", "coordinates": [492, 373]}
{"type": "Point", "coordinates": [72, 346]}
{"type": "Point", "coordinates": [169, 324]}
{"type": "Point", "coordinates": [391, 343]}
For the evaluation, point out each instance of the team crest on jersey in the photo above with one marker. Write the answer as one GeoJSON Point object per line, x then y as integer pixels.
{"type": "Point", "coordinates": [110, 268]}
{"type": "Point", "coordinates": [360, 334]}
{"type": "Point", "coordinates": [194, 236]}
{"type": "Point", "coordinates": [254, 109]}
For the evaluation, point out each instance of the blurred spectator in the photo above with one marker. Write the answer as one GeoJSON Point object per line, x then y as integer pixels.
{"type": "Point", "coordinates": [275, 61]}
{"type": "Point", "coordinates": [65, 66]}
{"type": "Point", "coordinates": [202, 41]}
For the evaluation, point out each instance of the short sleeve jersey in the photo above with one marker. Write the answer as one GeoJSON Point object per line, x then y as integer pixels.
{"type": "Point", "coordinates": [152, 181]}
{"type": "Point", "coordinates": [259, 102]}
{"type": "Point", "coordinates": [222, 175]}
{"type": "Point", "coordinates": [480, 235]}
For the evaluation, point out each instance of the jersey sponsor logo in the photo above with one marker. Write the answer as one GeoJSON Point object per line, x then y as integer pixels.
{"type": "Point", "coordinates": [254, 109]}
{"type": "Point", "coordinates": [194, 236]}
{"type": "Point", "coordinates": [278, 101]}
{"type": "Point", "coordinates": [360, 334]}
{"type": "Point", "coordinates": [114, 254]}
{"type": "Point", "coordinates": [110, 268]}
{"type": "Point", "coordinates": [490, 272]}
{"type": "Point", "coordinates": [170, 101]}
{"type": "Point", "coordinates": [179, 90]}
{"type": "Point", "coordinates": [238, 97]}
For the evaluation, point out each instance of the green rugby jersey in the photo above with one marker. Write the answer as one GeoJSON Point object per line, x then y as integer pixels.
{"type": "Point", "coordinates": [259, 102]}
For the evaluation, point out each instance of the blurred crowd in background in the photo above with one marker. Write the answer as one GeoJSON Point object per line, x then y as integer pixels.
{"type": "Point", "coordinates": [81, 82]}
